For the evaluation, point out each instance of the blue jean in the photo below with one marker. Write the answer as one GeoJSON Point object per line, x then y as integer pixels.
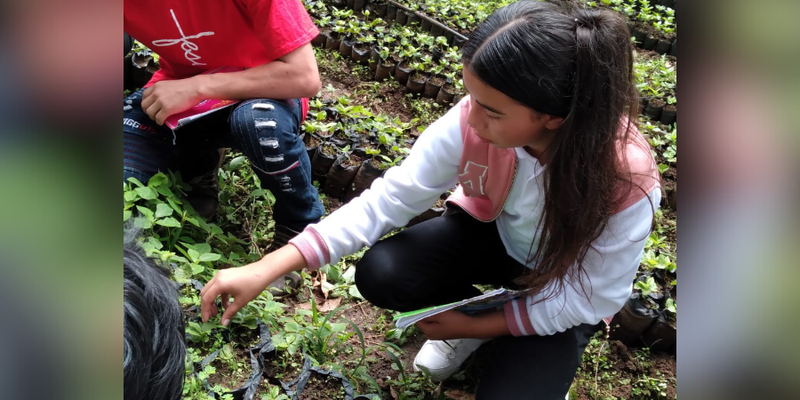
{"type": "Point", "coordinates": [265, 130]}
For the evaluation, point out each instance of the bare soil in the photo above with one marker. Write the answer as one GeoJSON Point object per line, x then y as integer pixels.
{"type": "Point", "coordinates": [228, 377]}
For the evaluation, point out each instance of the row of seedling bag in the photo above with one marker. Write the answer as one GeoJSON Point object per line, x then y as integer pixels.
{"type": "Point", "coordinates": [425, 63]}
{"type": "Point", "coordinates": [349, 148]}
{"type": "Point", "coordinates": [650, 316]}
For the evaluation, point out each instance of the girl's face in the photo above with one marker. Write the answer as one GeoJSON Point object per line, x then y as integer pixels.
{"type": "Point", "coordinates": [503, 122]}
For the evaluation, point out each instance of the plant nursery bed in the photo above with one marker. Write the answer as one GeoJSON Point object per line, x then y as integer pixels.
{"type": "Point", "coordinates": [231, 375]}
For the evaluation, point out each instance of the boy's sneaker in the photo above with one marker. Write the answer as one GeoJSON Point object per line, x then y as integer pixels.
{"type": "Point", "coordinates": [289, 283]}
{"type": "Point", "coordinates": [442, 358]}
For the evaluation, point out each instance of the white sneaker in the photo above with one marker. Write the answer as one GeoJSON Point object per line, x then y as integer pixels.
{"type": "Point", "coordinates": [442, 358]}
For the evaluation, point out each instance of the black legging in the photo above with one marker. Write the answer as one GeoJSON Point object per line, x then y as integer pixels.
{"type": "Point", "coordinates": [437, 262]}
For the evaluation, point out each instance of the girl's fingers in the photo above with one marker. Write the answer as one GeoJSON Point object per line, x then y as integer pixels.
{"type": "Point", "coordinates": [207, 297]}
{"type": "Point", "coordinates": [225, 301]}
{"type": "Point", "coordinates": [207, 285]}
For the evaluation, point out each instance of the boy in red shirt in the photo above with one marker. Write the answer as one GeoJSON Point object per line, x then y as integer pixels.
{"type": "Point", "coordinates": [271, 40]}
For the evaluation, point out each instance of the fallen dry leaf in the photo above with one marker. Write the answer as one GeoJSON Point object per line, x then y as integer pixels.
{"type": "Point", "coordinates": [326, 306]}
{"type": "Point", "coordinates": [330, 304]}
{"type": "Point", "coordinates": [322, 280]}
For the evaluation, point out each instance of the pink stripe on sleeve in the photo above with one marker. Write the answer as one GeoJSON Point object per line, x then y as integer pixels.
{"type": "Point", "coordinates": [643, 172]}
{"type": "Point", "coordinates": [518, 321]}
{"type": "Point", "coordinates": [312, 247]}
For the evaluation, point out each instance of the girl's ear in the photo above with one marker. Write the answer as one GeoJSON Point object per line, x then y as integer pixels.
{"type": "Point", "coordinates": [552, 122]}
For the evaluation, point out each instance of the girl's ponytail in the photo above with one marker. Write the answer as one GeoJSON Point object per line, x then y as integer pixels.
{"type": "Point", "coordinates": [603, 83]}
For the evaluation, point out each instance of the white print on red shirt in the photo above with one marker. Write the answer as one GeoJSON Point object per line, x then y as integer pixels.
{"type": "Point", "coordinates": [188, 47]}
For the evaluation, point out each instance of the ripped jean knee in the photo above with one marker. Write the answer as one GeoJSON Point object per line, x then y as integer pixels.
{"type": "Point", "coordinates": [267, 132]}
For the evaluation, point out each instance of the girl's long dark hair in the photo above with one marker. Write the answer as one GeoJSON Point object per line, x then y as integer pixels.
{"type": "Point", "coordinates": [576, 64]}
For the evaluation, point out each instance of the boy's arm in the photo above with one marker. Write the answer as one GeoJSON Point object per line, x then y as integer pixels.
{"type": "Point", "coordinates": [294, 75]}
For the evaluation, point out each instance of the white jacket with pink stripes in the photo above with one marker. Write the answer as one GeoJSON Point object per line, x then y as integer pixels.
{"type": "Point", "coordinates": [503, 185]}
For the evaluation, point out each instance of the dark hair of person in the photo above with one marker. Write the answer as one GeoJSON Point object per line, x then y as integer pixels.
{"type": "Point", "coordinates": [576, 64]}
{"type": "Point", "coordinates": [154, 348]}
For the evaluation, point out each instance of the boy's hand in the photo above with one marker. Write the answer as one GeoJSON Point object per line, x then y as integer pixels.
{"type": "Point", "coordinates": [170, 97]}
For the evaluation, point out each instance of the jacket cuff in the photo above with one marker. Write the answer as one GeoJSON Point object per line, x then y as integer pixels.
{"type": "Point", "coordinates": [313, 248]}
{"type": "Point", "coordinates": [518, 321]}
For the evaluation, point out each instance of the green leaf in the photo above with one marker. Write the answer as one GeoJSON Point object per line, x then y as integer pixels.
{"type": "Point", "coordinates": [216, 230]}
{"type": "Point", "coordinates": [165, 191]}
{"type": "Point", "coordinates": [178, 259]}
{"type": "Point", "coordinates": [355, 293]}
{"type": "Point", "coordinates": [670, 306]}
{"type": "Point", "coordinates": [210, 257]}
{"type": "Point", "coordinates": [142, 223]}
{"type": "Point", "coordinates": [157, 180]}
{"type": "Point", "coordinates": [155, 243]}
{"type": "Point", "coordinates": [197, 269]}
{"type": "Point", "coordinates": [130, 196]}
{"type": "Point", "coordinates": [169, 222]}
{"type": "Point", "coordinates": [334, 273]}
{"type": "Point", "coordinates": [136, 182]}
{"type": "Point", "coordinates": [663, 168]}
{"type": "Point", "coordinates": [292, 327]}
{"type": "Point", "coordinates": [259, 193]}
{"type": "Point", "coordinates": [163, 210]}
{"type": "Point", "coordinates": [146, 193]}
{"type": "Point", "coordinates": [194, 221]}
{"type": "Point", "coordinates": [338, 327]}
{"type": "Point", "coordinates": [202, 247]}
{"type": "Point", "coordinates": [175, 204]}
{"type": "Point", "coordinates": [148, 248]}
{"type": "Point", "coordinates": [180, 276]}
{"type": "Point", "coordinates": [146, 212]}
{"type": "Point", "coordinates": [349, 276]}
{"type": "Point", "coordinates": [647, 286]}
{"type": "Point", "coordinates": [126, 215]}
{"type": "Point", "coordinates": [328, 286]}
{"type": "Point", "coordinates": [236, 163]}
{"type": "Point", "coordinates": [270, 198]}
{"type": "Point", "coordinates": [194, 255]}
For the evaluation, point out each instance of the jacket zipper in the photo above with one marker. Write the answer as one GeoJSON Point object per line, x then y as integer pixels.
{"type": "Point", "coordinates": [510, 188]}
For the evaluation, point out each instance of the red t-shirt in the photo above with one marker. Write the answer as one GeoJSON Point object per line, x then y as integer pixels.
{"type": "Point", "coordinates": [193, 36]}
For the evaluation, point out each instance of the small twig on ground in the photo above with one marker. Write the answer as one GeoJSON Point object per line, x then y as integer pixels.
{"type": "Point", "coordinates": [600, 353]}
{"type": "Point", "coordinates": [362, 309]}
{"type": "Point", "coordinates": [597, 366]}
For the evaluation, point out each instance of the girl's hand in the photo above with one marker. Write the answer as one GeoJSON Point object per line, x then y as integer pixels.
{"type": "Point", "coordinates": [243, 283]}
{"type": "Point", "coordinates": [454, 324]}
{"type": "Point", "coordinates": [247, 282]}
{"type": "Point", "coordinates": [447, 325]}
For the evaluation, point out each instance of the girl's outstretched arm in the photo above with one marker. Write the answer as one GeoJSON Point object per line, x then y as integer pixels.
{"type": "Point", "coordinates": [404, 192]}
